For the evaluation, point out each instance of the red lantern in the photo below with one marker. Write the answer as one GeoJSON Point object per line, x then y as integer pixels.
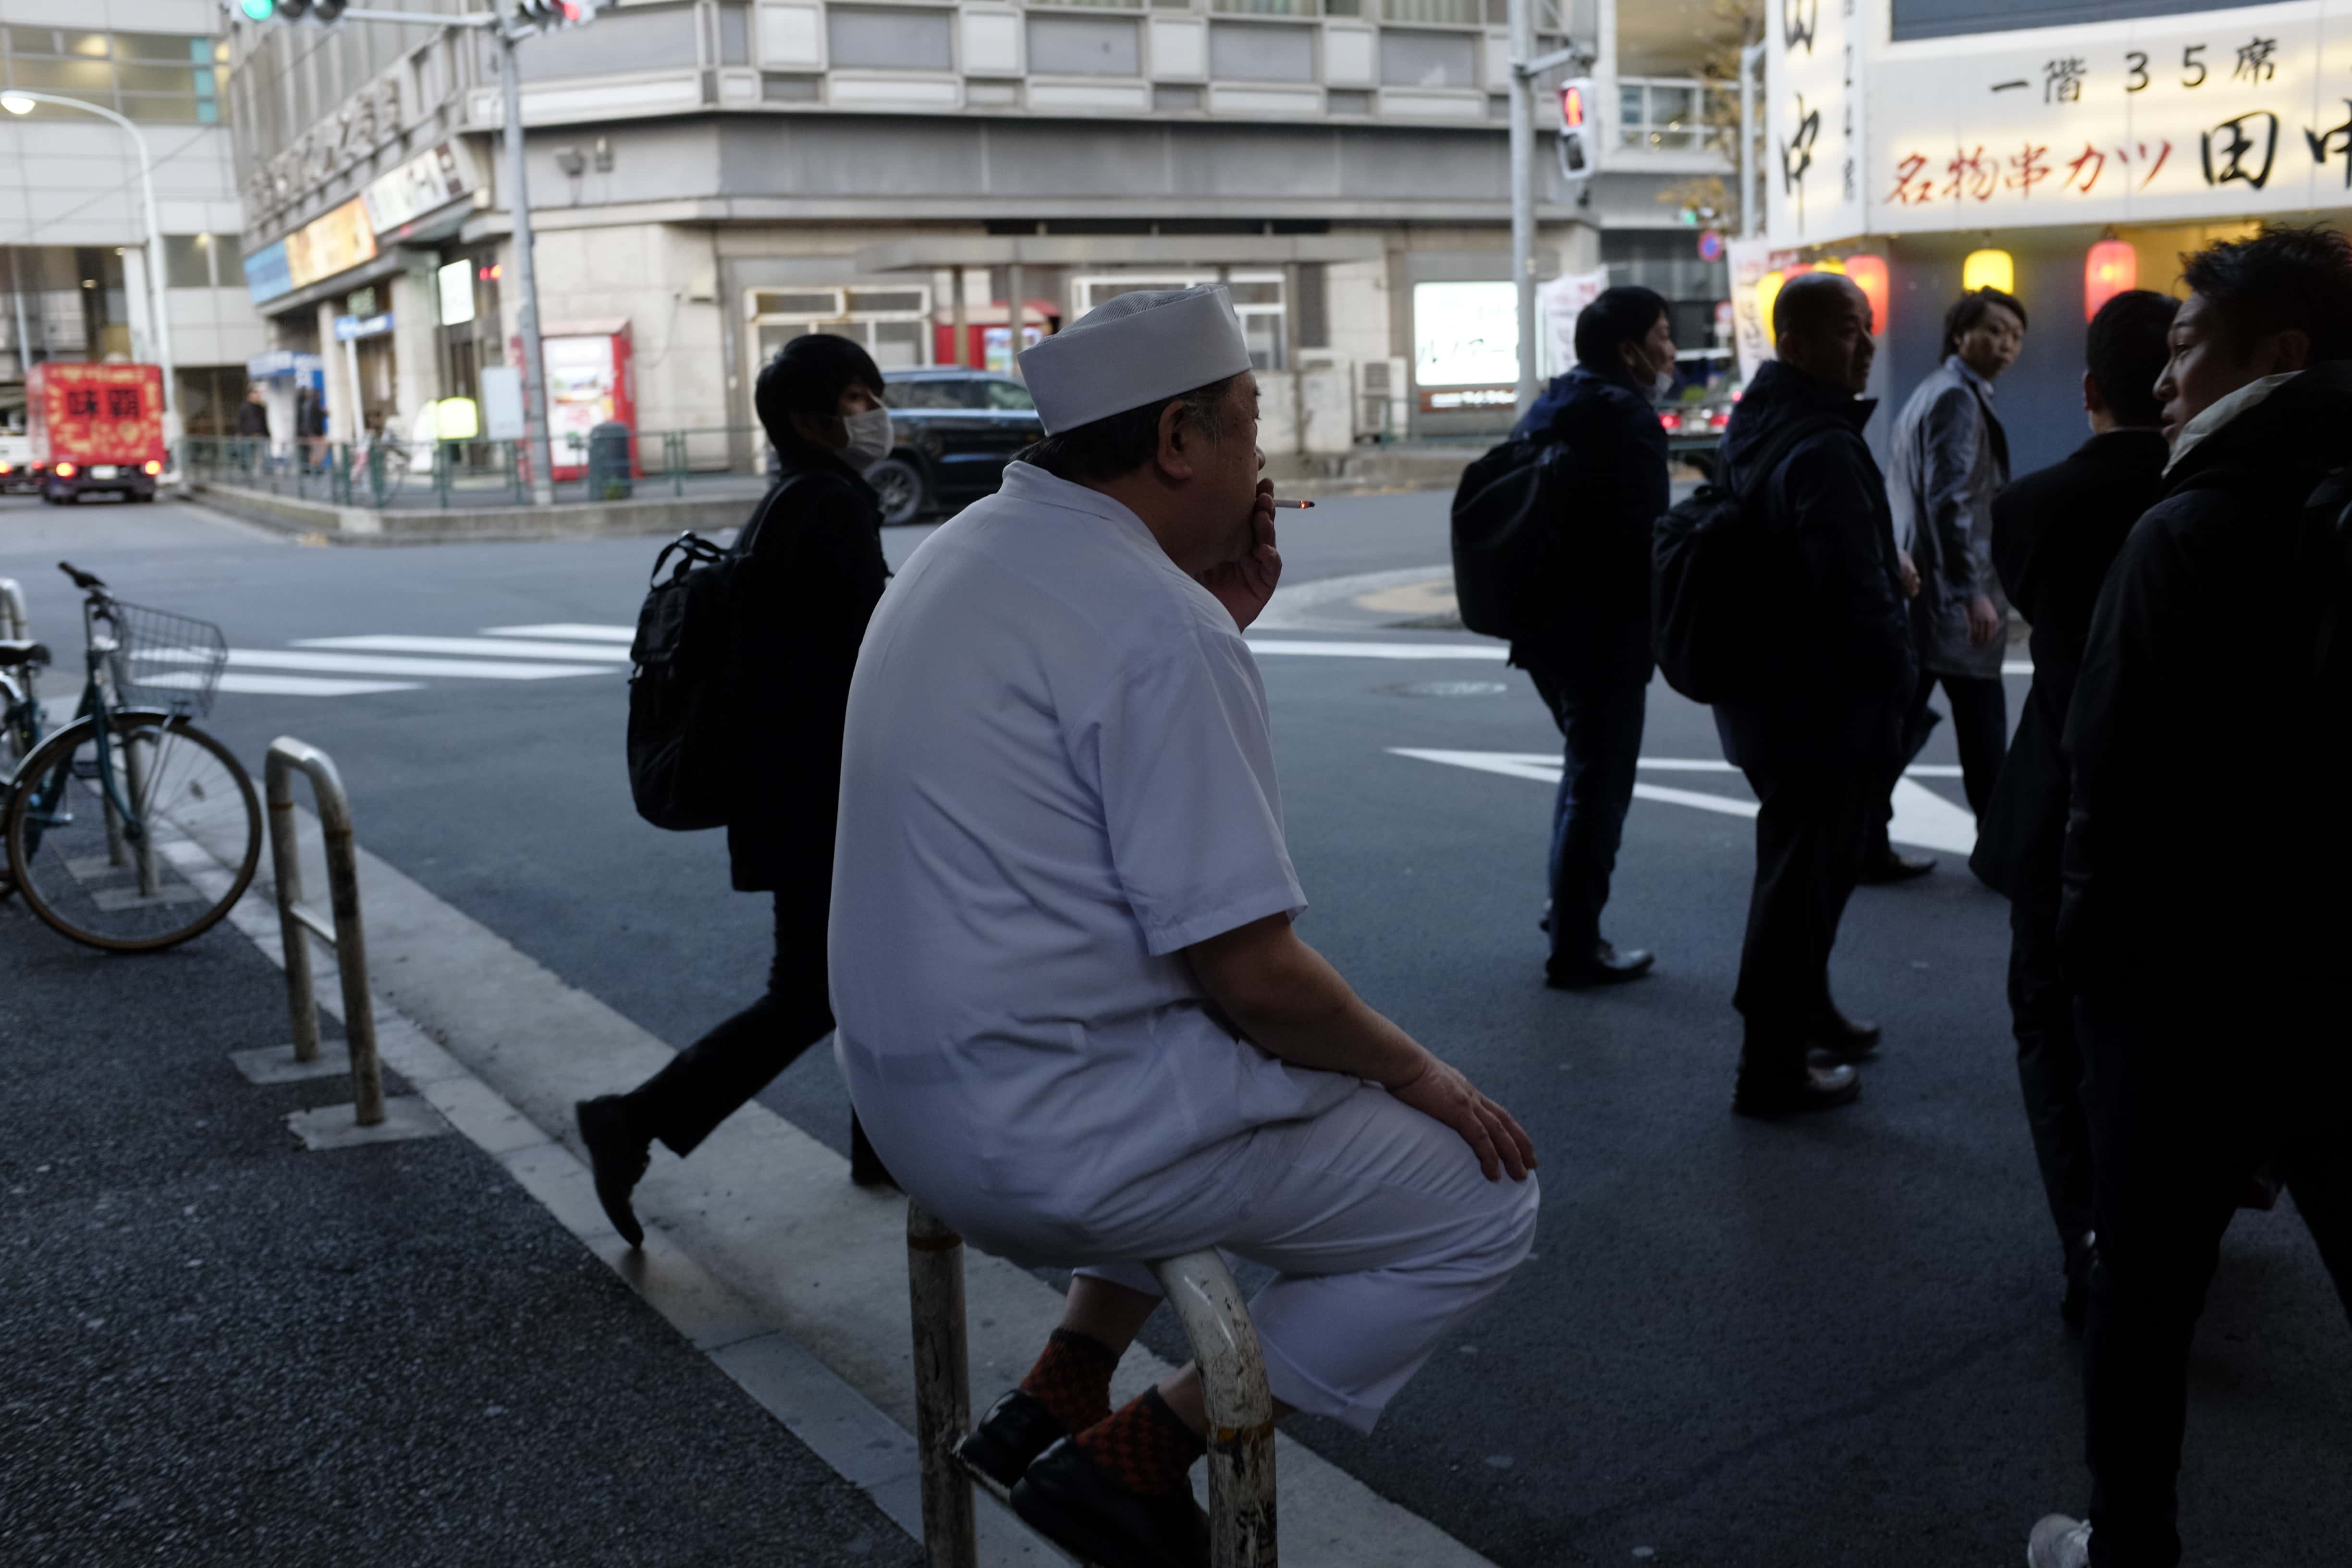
{"type": "Point", "coordinates": [2111, 268]}
{"type": "Point", "coordinates": [1868, 273]}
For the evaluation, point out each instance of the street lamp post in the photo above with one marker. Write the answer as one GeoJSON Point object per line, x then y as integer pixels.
{"type": "Point", "coordinates": [18, 100]}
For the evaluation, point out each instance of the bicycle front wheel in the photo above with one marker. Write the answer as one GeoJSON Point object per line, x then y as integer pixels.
{"type": "Point", "coordinates": [168, 870]}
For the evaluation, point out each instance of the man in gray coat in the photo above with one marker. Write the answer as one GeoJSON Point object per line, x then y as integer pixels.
{"type": "Point", "coordinates": [1949, 458]}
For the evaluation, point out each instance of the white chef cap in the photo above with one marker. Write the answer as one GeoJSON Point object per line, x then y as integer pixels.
{"type": "Point", "coordinates": [1139, 348]}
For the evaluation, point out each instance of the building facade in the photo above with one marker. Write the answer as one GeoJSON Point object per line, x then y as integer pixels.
{"type": "Point", "coordinates": [942, 181]}
{"type": "Point", "coordinates": [2071, 149]}
{"type": "Point", "coordinates": [73, 228]}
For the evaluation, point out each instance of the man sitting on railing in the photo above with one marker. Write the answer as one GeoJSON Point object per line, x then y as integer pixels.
{"type": "Point", "coordinates": [1073, 1013]}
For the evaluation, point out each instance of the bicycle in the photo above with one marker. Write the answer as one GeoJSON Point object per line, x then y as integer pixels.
{"type": "Point", "coordinates": [128, 829]}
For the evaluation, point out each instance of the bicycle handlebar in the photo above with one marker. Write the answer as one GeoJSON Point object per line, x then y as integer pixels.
{"type": "Point", "coordinates": [80, 578]}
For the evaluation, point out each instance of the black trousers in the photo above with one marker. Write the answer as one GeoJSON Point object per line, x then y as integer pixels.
{"type": "Point", "coordinates": [1979, 725]}
{"type": "Point", "coordinates": [1600, 732]}
{"type": "Point", "coordinates": [2050, 1064]}
{"type": "Point", "coordinates": [2176, 1135]}
{"type": "Point", "coordinates": [713, 1078]}
{"type": "Point", "coordinates": [1809, 833]}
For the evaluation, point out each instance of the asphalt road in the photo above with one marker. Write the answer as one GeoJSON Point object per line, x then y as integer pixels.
{"type": "Point", "coordinates": [1833, 1342]}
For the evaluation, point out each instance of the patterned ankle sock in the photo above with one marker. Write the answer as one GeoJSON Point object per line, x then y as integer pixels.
{"type": "Point", "coordinates": [1144, 1448]}
{"type": "Point", "coordinates": [1072, 1379]}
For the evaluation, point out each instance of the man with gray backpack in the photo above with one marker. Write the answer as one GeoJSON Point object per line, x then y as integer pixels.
{"type": "Point", "coordinates": [1779, 600]}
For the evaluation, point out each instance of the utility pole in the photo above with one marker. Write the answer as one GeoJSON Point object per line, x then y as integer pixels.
{"type": "Point", "coordinates": [1751, 209]}
{"type": "Point", "coordinates": [534, 359]}
{"type": "Point", "coordinates": [1525, 67]}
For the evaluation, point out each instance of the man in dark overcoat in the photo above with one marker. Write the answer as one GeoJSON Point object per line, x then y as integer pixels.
{"type": "Point", "coordinates": [2054, 533]}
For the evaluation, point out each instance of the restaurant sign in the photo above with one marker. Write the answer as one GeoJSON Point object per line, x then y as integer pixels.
{"type": "Point", "coordinates": [2211, 116]}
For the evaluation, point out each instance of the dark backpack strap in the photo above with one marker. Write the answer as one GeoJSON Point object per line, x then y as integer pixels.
{"type": "Point", "coordinates": [746, 539]}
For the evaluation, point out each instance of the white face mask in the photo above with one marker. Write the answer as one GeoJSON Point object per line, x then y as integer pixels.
{"type": "Point", "coordinates": [869, 439]}
{"type": "Point", "coordinates": [1661, 383]}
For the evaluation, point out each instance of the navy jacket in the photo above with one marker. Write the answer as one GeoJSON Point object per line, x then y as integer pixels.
{"type": "Point", "coordinates": [1617, 490]}
{"type": "Point", "coordinates": [1848, 665]}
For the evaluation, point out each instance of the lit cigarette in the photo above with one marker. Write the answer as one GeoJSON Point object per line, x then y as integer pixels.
{"type": "Point", "coordinates": [1295, 505]}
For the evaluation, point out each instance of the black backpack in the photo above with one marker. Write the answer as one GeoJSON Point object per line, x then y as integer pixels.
{"type": "Point", "coordinates": [1509, 558]}
{"type": "Point", "coordinates": [685, 741]}
{"type": "Point", "coordinates": [1718, 584]}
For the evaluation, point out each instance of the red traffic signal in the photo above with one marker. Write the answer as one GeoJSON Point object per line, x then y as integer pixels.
{"type": "Point", "coordinates": [1571, 106]}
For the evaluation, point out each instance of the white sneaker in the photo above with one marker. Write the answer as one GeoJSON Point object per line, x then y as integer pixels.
{"type": "Point", "coordinates": [2058, 1542]}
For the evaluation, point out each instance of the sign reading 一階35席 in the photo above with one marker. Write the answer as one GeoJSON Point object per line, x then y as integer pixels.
{"type": "Point", "coordinates": [2217, 115]}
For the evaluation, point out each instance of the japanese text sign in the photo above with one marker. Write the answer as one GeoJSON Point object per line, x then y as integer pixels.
{"type": "Point", "coordinates": [1816, 158]}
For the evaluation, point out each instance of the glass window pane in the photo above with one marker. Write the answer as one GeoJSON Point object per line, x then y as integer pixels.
{"type": "Point", "coordinates": [1670, 106]}
{"type": "Point", "coordinates": [1629, 104]}
{"type": "Point", "coordinates": [159, 47]}
{"type": "Point", "coordinates": [1010, 395]}
{"type": "Point", "coordinates": [33, 40]}
{"type": "Point", "coordinates": [863, 302]}
{"type": "Point", "coordinates": [186, 261]}
{"type": "Point", "coordinates": [163, 79]}
{"type": "Point", "coordinates": [228, 261]}
{"type": "Point", "coordinates": [90, 45]}
{"type": "Point", "coordinates": [85, 77]}
{"type": "Point", "coordinates": [920, 395]}
{"type": "Point", "coordinates": [156, 109]}
{"type": "Point", "coordinates": [896, 343]}
{"type": "Point", "coordinates": [1255, 293]}
{"type": "Point", "coordinates": [812, 303]}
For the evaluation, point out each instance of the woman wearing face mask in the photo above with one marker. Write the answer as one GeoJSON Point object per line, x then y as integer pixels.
{"type": "Point", "coordinates": [811, 576]}
{"type": "Point", "coordinates": [1592, 664]}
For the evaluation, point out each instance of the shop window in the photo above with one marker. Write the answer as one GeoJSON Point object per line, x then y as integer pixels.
{"type": "Point", "coordinates": [1084, 46]}
{"type": "Point", "coordinates": [1428, 59]}
{"type": "Point", "coordinates": [1443, 13]}
{"type": "Point", "coordinates": [894, 324]}
{"type": "Point", "coordinates": [890, 41]}
{"type": "Point", "coordinates": [1240, 52]}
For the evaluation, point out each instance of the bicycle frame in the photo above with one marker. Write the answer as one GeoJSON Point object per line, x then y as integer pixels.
{"type": "Point", "coordinates": [124, 825]}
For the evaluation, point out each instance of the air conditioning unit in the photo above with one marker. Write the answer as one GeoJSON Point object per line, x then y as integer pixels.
{"type": "Point", "coordinates": [1381, 389]}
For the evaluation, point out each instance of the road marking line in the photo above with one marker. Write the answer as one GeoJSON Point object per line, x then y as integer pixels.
{"type": "Point", "coordinates": [579, 631]}
{"type": "Point", "coordinates": [284, 685]}
{"type": "Point", "coordinates": [1922, 818]}
{"type": "Point", "coordinates": [384, 664]}
{"type": "Point", "coordinates": [1494, 651]}
{"type": "Point", "coordinates": [496, 648]}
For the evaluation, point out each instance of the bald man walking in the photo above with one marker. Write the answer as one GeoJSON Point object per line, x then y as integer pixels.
{"type": "Point", "coordinates": [1832, 718]}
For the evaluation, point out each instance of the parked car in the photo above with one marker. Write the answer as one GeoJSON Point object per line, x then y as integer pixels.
{"type": "Point", "coordinates": [954, 430]}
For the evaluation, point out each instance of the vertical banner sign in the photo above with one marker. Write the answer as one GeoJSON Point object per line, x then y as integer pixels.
{"type": "Point", "coordinates": [1751, 334]}
{"type": "Point", "coordinates": [1814, 161]}
{"type": "Point", "coordinates": [2211, 117]}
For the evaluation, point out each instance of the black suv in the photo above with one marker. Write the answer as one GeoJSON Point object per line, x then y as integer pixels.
{"type": "Point", "coordinates": [952, 432]}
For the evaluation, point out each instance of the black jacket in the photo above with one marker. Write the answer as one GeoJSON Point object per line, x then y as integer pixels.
{"type": "Point", "coordinates": [2210, 752]}
{"type": "Point", "coordinates": [814, 577]}
{"type": "Point", "coordinates": [2054, 533]}
{"type": "Point", "coordinates": [1617, 489]}
{"type": "Point", "coordinates": [1848, 665]}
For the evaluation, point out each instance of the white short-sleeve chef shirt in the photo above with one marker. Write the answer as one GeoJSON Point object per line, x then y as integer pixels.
{"type": "Point", "coordinates": [1056, 774]}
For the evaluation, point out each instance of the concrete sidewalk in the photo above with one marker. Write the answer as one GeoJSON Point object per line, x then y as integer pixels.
{"type": "Point", "coordinates": [222, 1348]}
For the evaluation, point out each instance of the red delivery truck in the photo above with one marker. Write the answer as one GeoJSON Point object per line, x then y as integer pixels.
{"type": "Point", "coordinates": [96, 428]}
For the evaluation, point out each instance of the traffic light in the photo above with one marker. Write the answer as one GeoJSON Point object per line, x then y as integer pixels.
{"type": "Point", "coordinates": [1578, 132]}
{"type": "Point", "coordinates": [554, 12]}
{"type": "Point", "coordinates": [258, 10]}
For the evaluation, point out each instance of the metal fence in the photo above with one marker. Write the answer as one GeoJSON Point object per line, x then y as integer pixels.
{"type": "Point", "coordinates": [387, 473]}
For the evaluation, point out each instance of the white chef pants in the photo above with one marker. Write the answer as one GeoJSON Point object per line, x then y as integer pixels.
{"type": "Point", "coordinates": [1383, 1231]}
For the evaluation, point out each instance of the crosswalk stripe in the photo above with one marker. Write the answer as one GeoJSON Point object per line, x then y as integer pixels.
{"type": "Point", "coordinates": [381, 664]}
{"type": "Point", "coordinates": [578, 630]}
{"type": "Point", "coordinates": [495, 648]}
{"type": "Point", "coordinates": [286, 685]}
{"type": "Point", "coordinates": [1494, 651]}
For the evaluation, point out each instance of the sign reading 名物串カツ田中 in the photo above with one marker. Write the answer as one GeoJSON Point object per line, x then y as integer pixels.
{"type": "Point", "coordinates": [1813, 118]}
{"type": "Point", "coordinates": [2218, 115]}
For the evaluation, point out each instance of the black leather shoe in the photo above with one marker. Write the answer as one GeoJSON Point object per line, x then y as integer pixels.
{"type": "Point", "coordinates": [1821, 1088]}
{"type": "Point", "coordinates": [1063, 1497]}
{"type": "Point", "coordinates": [1605, 966]}
{"type": "Point", "coordinates": [618, 1153]}
{"type": "Point", "coordinates": [1843, 1040]}
{"type": "Point", "coordinates": [1017, 1429]}
{"type": "Point", "coordinates": [1881, 870]}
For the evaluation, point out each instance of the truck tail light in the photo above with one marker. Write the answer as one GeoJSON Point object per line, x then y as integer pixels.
{"type": "Point", "coordinates": [65, 470]}
{"type": "Point", "coordinates": [8, 468]}
{"type": "Point", "coordinates": [151, 468]}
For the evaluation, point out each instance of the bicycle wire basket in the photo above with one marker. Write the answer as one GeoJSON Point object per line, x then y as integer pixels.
{"type": "Point", "coordinates": [163, 660]}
